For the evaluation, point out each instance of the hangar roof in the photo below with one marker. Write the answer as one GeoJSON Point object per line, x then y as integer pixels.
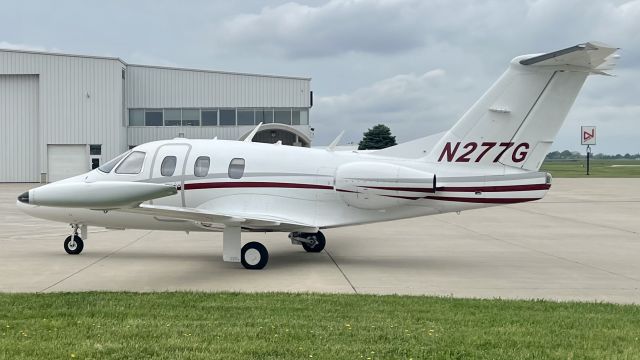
{"type": "Point", "coordinates": [150, 66]}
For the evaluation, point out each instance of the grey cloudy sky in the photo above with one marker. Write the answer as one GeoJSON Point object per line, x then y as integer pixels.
{"type": "Point", "coordinates": [415, 65]}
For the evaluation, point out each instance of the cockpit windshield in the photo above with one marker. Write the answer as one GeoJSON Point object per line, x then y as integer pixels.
{"type": "Point", "coordinates": [132, 164]}
{"type": "Point", "coordinates": [107, 167]}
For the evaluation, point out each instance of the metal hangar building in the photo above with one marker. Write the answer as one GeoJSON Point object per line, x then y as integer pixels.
{"type": "Point", "coordinates": [62, 114]}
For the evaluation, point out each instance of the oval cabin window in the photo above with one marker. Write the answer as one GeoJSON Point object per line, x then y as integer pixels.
{"type": "Point", "coordinates": [236, 168]}
{"type": "Point", "coordinates": [168, 166]}
{"type": "Point", "coordinates": [201, 167]}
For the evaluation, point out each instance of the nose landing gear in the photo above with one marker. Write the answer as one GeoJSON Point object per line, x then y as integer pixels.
{"type": "Point", "coordinates": [73, 244]}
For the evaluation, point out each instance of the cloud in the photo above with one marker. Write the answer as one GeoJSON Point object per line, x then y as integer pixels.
{"type": "Point", "coordinates": [412, 105]}
{"type": "Point", "coordinates": [27, 47]}
{"type": "Point", "coordinates": [297, 30]}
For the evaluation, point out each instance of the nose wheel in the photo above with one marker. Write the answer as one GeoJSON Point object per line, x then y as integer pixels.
{"type": "Point", "coordinates": [73, 245]}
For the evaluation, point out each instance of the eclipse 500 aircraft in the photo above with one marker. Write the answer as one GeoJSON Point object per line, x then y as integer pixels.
{"type": "Point", "coordinates": [491, 156]}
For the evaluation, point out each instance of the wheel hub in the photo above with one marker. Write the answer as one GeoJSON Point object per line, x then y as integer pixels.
{"type": "Point", "coordinates": [252, 256]}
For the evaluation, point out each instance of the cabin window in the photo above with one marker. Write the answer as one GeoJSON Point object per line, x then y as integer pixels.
{"type": "Point", "coordinates": [201, 167]}
{"type": "Point", "coordinates": [168, 166]}
{"type": "Point", "coordinates": [108, 166]}
{"type": "Point", "coordinates": [132, 164]}
{"type": "Point", "coordinates": [236, 168]}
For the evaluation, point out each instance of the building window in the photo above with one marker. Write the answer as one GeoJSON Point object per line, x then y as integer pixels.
{"type": "Point", "coordinates": [168, 166]}
{"type": "Point", "coordinates": [264, 116]}
{"type": "Point", "coordinates": [304, 117]}
{"type": "Point", "coordinates": [191, 117]}
{"type": "Point", "coordinates": [153, 118]}
{"type": "Point", "coordinates": [172, 117]}
{"type": "Point", "coordinates": [217, 117]}
{"type": "Point", "coordinates": [136, 117]}
{"type": "Point", "coordinates": [245, 117]}
{"type": "Point", "coordinates": [295, 117]}
{"type": "Point", "coordinates": [210, 117]}
{"type": "Point", "coordinates": [227, 117]}
{"type": "Point", "coordinates": [282, 116]}
{"type": "Point", "coordinates": [201, 167]}
{"type": "Point", "coordinates": [236, 168]}
{"type": "Point", "coordinates": [95, 149]}
{"type": "Point", "coordinates": [95, 163]}
{"type": "Point", "coordinates": [132, 164]}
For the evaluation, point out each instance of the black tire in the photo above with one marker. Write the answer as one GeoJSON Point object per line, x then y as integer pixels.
{"type": "Point", "coordinates": [254, 256]}
{"type": "Point", "coordinates": [74, 248]}
{"type": "Point", "coordinates": [320, 242]}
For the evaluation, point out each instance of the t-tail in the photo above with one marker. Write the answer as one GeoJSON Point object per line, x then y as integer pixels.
{"type": "Point", "coordinates": [515, 122]}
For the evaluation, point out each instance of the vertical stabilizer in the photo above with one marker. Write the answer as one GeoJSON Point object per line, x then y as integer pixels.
{"type": "Point", "coordinates": [515, 122]}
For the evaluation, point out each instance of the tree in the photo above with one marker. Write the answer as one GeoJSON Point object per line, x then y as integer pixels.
{"type": "Point", "coordinates": [378, 137]}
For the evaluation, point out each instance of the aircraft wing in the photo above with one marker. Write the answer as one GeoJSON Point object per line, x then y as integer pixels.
{"type": "Point", "coordinates": [256, 222]}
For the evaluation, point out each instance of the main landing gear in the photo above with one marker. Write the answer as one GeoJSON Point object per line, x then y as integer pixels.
{"type": "Point", "coordinates": [254, 256]}
{"type": "Point", "coordinates": [311, 242]}
{"type": "Point", "coordinates": [73, 244]}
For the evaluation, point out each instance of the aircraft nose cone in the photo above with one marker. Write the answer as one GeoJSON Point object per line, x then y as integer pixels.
{"type": "Point", "coordinates": [24, 197]}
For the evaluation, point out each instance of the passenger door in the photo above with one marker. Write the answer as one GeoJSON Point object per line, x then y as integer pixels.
{"type": "Point", "coordinates": [168, 167]}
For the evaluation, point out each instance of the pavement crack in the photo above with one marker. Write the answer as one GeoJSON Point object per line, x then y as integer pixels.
{"type": "Point", "coordinates": [341, 271]}
{"type": "Point", "coordinates": [94, 262]}
{"type": "Point", "coordinates": [540, 251]}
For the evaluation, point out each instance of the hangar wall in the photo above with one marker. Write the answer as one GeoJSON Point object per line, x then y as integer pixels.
{"type": "Point", "coordinates": [58, 107]}
{"type": "Point", "coordinates": [19, 150]}
{"type": "Point", "coordinates": [157, 87]}
{"type": "Point", "coordinates": [154, 87]}
{"type": "Point", "coordinates": [80, 101]}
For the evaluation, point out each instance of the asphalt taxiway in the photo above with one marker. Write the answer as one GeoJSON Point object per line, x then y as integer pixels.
{"type": "Point", "coordinates": [582, 242]}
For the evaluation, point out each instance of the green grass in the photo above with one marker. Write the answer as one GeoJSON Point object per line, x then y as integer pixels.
{"type": "Point", "coordinates": [598, 168]}
{"type": "Point", "coordinates": [309, 326]}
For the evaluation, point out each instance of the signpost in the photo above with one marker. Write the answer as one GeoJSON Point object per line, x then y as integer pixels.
{"type": "Point", "coordinates": [588, 137]}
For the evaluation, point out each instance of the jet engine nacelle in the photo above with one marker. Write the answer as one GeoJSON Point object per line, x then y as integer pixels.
{"type": "Point", "coordinates": [378, 186]}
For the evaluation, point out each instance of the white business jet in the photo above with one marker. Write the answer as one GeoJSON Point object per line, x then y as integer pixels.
{"type": "Point", "coordinates": [491, 156]}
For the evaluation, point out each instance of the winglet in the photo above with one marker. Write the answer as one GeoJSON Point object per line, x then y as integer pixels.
{"type": "Point", "coordinates": [249, 137]}
{"type": "Point", "coordinates": [335, 142]}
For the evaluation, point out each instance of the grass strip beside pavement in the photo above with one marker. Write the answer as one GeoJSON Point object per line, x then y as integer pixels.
{"type": "Point", "coordinates": [185, 325]}
{"type": "Point", "coordinates": [597, 168]}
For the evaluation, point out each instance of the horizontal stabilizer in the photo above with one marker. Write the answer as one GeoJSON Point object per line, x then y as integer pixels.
{"type": "Point", "coordinates": [592, 56]}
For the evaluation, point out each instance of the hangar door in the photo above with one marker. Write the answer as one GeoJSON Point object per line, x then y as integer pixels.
{"type": "Point", "coordinates": [19, 158]}
{"type": "Point", "coordinates": [65, 161]}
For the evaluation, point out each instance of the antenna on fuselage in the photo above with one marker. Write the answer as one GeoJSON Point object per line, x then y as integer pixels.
{"type": "Point", "coordinates": [249, 137]}
{"type": "Point", "coordinates": [335, 142]}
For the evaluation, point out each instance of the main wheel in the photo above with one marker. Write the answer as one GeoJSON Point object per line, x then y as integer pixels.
{"type": "Point", "coordinates": [254, 256]}
{"type": "Point", "coordinates": [73, 246]}
{"type": "Point", "coordinates": [317, 242]}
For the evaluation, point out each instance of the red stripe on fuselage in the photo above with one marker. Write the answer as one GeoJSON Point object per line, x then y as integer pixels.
{"type": "Point", "coordinates": [482, 200]}
{"type": "Point", "coordinates": [498, 188]}
{"type": "Point", "coordinates": [253, 184]}
{"type": "Point", "coordinates": [393, 188]}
